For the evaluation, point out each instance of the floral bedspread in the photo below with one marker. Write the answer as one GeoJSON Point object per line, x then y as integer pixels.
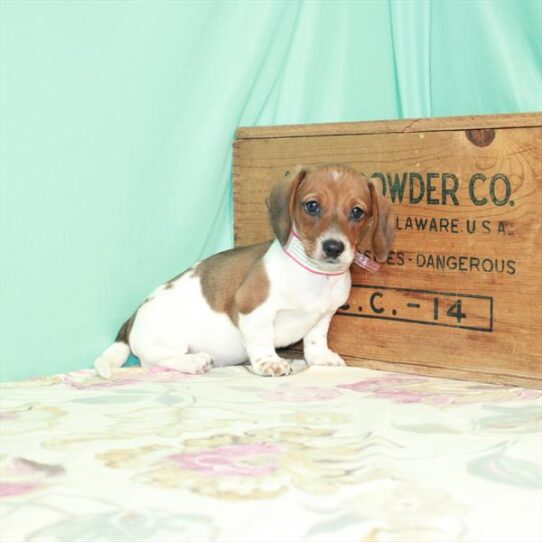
{"type": "Point", "coordinates": [326, 455]}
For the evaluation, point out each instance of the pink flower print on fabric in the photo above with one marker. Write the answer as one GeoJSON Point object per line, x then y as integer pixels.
{"type": "Point", "coordinates": [16, 489]}
{"type": "Point", "coordinates": [85, 380]}
{"type": "Point", "coordinates": [236, 460]}
{"type": "Point", "coordinates": [21, 476]}
{"type": "Point", "coordinates": [382, 383]}
{"type": "Point", "coordinates": [400, 389]}
{"type": "Point", "coordinates": [437, 392]}
{"type": "Point", "coordinates": [301, 394]}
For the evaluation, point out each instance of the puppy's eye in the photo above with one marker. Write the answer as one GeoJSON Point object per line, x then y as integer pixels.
{"type": "Point", "coordinates": [312, 207]}
{"type": "Point", "coordinates": [357, 213]}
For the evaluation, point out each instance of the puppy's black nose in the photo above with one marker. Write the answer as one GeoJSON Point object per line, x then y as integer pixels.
{"type": "Point", "coordinates": [333, 248]}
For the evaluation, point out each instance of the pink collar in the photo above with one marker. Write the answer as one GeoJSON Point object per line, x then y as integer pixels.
{"type": "Point", "coordinates": [296, 251]}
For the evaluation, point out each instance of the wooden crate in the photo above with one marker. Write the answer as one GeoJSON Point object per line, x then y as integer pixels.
{"type": "Point", "coordinates": [461, 294]}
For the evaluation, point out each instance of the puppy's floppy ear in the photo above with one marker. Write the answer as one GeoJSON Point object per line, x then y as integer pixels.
{"type": "Point", "coordinates": [280, 203]}
{"type": "Point", "coordinates": [383, 220]}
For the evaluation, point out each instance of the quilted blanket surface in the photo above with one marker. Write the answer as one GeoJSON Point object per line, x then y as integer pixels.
{"type": "Point", "coordinates": [327, 454]}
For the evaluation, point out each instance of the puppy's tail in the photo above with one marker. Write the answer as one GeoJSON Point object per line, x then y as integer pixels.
{"type": "Point", "coordinates": [113, 357]}
{"type": "Point", "coordinates": [116, 355]}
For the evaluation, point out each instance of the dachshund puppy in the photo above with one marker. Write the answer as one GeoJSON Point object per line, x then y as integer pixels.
{"type": "Point", "coordinates": [246, 302]}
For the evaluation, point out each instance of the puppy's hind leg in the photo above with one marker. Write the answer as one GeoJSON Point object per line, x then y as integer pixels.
{"type": "Point", "coordinates": [177, 359]}
{"type": "Point", "coordinates": [194, 364]}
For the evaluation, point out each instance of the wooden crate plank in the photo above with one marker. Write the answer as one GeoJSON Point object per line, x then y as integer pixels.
{"type": "Point", "coordinates": [462, 290]}
{"type": "Point", "coordinates": [470, 122]}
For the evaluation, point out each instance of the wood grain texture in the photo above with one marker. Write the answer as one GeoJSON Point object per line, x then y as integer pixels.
{"type": "Point", "coordinates": [470, 122]}
{"type": "Point", "coordinates": [462, 291]}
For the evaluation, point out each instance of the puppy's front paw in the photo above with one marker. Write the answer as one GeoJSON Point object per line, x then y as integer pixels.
{"type": "Point", "coordinates": [325, 357]}
{"type": "Point", "coordinates": [271, 367]}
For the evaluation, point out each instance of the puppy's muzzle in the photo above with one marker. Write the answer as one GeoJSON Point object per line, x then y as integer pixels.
{"type": "Point", "coordinates": [333, 248]}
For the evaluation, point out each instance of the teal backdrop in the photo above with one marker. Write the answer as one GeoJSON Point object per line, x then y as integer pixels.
{"type": "Point", "coordinates": [117, 120]}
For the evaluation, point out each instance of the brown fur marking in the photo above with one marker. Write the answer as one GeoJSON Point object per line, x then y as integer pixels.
{"type": "Point", "coordinates": [280, 203]}
{"type": "Point", "coordinates": [383, 224]}
{"type": "Point", "coordinates": [171, 282]}
{"type": "Point", "coordinates": [254, 290]}
{"type": "Point", "coordinates": [338, 189]}
{"type": "Point", "coordinates": [235, 281]}
{"type": "Point", "coordinates": [123, 335]}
